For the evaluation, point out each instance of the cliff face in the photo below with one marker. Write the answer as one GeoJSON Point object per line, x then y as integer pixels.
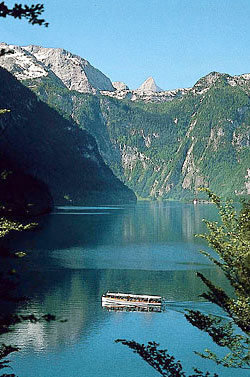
{"type": "Point", "coordinates": [75, 72]}
{"type": "Point", "coordinates": [168, 150]}
{"type": "Point", "coordinates": [202, 139]}
{"type": "Point", "coordinates": [146, 96]}
{"type": "Point", "coordinates": [38, 142]}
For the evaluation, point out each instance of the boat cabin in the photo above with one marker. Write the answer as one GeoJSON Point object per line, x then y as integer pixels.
{"type": "Point", "coordinates": [133, 299]}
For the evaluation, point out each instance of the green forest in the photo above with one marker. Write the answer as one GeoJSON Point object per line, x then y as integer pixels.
{"type": "Point", "coordinates": [165, 150]}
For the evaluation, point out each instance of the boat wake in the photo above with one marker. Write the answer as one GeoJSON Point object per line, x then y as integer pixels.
{"type": "Point", "coordinates": [177, 306]}
{"type": "Point", "coordinates": [202, 306]}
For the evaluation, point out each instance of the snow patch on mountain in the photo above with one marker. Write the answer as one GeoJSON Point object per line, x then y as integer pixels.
{"type": "Point", "coordinates": [31, 62]}
{"type": "Point", "coordinates": [21, 63]}
{"type": "Point", "coordinates": [75, 72]}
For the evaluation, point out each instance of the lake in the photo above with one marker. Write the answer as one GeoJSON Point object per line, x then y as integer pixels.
{"type": "Point", "coordinates": [77, 254]}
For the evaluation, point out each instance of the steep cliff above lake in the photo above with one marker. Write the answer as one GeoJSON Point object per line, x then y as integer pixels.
{"type": "Point", "coordinates": [38, 142]}
{"type": "Point", "coordinates": [168, 150]}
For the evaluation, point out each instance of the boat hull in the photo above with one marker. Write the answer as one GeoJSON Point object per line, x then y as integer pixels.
{"type": "Point", "coordinates": [115, 301]}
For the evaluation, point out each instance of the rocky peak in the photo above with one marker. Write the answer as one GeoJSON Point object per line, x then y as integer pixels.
{"type": "Point", "coordinates": [119, 85]}
{"type": "Point", "coordinates": [75, 72]}
{"type": "Point", "coordinates": [215, 78]}
{"type": "Point", "coordinates": [206, 82]}
{"type": "Point", "coordinates": [149, 85]}
{"type": "Point", "coordinates": [211, 78]}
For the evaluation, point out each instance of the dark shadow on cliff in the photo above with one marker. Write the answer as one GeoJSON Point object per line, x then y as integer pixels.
{"type": "Point", "coordinates": [38, 141]}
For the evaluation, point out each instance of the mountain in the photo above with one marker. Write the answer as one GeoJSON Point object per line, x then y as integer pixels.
{"type": "Point", "coordinates": [170, 149]}
{"type": "Point", "coordinates": [119, 85]}
{"type": "Point", "coordinates": [20, 193]}
{"type": "Point", "coordinates": [191, 137]}
{"type": "Point", "coordinates": [147, 92]}
{"type": "Point", "coordinates": [149, 85]}
{"type": "Point", "coordinates": [138, 95]}
{"type": "Point", "coordinates": [39, 142]}
{"type": "Point", "coordinates": [75, 72]}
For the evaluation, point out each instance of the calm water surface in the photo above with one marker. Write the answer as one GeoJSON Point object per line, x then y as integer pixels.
{"type": "Point", "coordinates": [81, 252]}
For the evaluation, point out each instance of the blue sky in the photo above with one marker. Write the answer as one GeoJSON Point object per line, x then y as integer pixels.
{"type": "Point", "coordinates": [175, 41]}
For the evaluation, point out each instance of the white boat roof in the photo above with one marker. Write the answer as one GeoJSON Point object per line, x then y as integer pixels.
{"type": "Point", "coordinates": [130, 295]}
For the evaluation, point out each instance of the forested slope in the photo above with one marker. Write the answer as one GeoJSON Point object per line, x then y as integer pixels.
{"type": "Point", "coordinates": [38, 142]}
{"type": "Point", "coordinates": [170, 149]}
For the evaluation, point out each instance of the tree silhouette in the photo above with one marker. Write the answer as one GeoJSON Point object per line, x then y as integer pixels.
{"type": "Point", "coordinates": [29, 12]}
{"type": "Point", "coordinates": [32, 13]}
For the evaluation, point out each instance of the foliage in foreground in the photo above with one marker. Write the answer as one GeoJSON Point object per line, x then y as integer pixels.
{"type": "Point", "coordinates": [231, 241]}
{"type": "Point", "coordinates": [7, 226]}
{"type": "Point", "coordinates": [29, 12]}
{"type": "Point", "coordinates": [9, 281]}
{"type": "Point", "coordinates": [160, 360]}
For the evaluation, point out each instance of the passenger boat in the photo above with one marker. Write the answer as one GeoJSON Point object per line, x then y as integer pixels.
{"type": "Point", "coordinates": [129, 299]}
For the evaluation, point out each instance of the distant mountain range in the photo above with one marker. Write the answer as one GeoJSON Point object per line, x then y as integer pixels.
{"type": "Point", "coordinates": [162, 144]}
{"type": "Point", "coordinates": [75, 72]}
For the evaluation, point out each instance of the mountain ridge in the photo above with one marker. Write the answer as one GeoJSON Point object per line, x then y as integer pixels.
{"type": "Point", "coordinates": [78, 74]}
{"type": "Point", "coordinates": [75, 72]}
{"type": "Point", "coordinates": [168, 150]}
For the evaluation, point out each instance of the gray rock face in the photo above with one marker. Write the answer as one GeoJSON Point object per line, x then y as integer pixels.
{"type": "Point", "coordinates": [206, 82]}
{"type": "Point", "coordinates": [149, 85]}
{"type": "Point", "coordinates": [21, 63]}
{"type": "Point", "coordinates": [75, 72]}
{"type": "Point", "coordinates": [119, 85]}
{"type": "Point", "coordinates": [147, 92]}
{"type": "Point", "coordinates": [148, 96]}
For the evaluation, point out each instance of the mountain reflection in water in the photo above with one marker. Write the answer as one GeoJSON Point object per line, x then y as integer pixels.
{"type": "Point", "coordinates": [74, 258]}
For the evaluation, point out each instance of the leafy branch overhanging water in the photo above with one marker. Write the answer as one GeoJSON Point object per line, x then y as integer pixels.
{"type": "Point", "coordinates": [230, 239]}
